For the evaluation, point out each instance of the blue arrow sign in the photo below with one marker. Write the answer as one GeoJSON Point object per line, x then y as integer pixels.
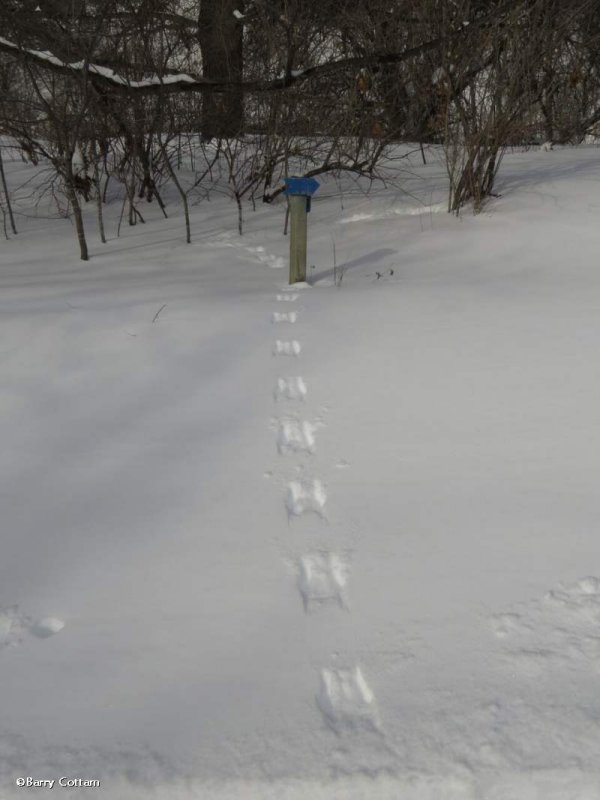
{"type": "Point", "coordinates": [302, 186]}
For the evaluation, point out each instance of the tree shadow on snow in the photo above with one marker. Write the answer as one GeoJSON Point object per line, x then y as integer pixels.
{"type": "Point", "coordinates": [519, 175]}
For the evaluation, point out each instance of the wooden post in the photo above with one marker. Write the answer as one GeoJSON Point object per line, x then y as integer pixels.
{"type": "Point", "coordinates": [298, 227]}
{"type": "Point", "coordinates": [298, 191]}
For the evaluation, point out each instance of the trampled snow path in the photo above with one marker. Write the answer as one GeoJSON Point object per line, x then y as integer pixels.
{"type": "Point", "coordinates": [258, 252]}
{"type": "Point", "coordinates": [275, 262]}
{"type": "Point", "coordinates": [13, 626]}
{"type": "Point", "coordinates": [560, 630]}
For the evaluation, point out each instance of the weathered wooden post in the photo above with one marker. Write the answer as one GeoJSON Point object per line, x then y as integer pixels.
{"type": "Point", "coordinates": [299, 191]}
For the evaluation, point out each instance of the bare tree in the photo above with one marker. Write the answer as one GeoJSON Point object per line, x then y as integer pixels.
{"type": "Point", "coordinates": [287, 84]}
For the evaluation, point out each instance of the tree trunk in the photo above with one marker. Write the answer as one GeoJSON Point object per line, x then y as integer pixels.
{"type": "Point", "coordinates": [98, 185]}
{"type": "Point", "coordinates": [220, 34]}
{"type": "Point", "coordinates": [75, 205]}
{"type": "Point", "coordinates": [7, 195]}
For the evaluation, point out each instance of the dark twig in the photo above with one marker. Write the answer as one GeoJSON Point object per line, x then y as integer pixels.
{"type": "Point", "coordinates": [158, 312]}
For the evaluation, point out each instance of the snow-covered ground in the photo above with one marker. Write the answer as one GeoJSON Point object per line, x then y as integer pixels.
{"type": "Point", "coordinates": [340, 541]}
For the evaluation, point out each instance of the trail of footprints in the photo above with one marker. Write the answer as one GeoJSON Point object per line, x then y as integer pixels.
{"type": "Point", "coordinates": [344, 698]}
{"type": "Point", "coordinates": [563, 628]}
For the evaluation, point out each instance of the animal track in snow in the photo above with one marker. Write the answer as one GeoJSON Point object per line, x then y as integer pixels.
{"type": "Point", "coordinates": [506, 624]}
{"type": "Point", "coordinates": [14, 626]}
{"type": "Point", "coordinates": [304, 497]}
{"type": "Point", "coordinates": [346, 701]}
{"type": "Point", "coordinates": [287, 298]}
{"type": "Point", "coordinates": [290, 389]}
{"type": "Point", "coordinates": [292, 348]}
{"type": "Point", "coordinates": [295, 437]}
{"type": "Point", "coordinates": [283, 316]}
{"type": "Point", "coordinates": [322, 580]}
{"type": "Point", "coordinates": [581, 598]}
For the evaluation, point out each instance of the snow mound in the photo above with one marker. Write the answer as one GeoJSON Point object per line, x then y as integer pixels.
{"type": "Point", "coordinates": [47, 626]}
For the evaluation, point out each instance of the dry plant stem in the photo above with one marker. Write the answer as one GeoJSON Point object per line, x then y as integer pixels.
{"type": "Point", "coordinates": [157, 315]}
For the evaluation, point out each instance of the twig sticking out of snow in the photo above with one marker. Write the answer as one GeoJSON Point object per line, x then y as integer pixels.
{"type": "Point", "coordinates": [158, 312]}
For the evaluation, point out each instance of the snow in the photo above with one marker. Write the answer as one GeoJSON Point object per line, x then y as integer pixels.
{"type": "Point", "coordinates": [364, 565]}
{"type": "Point", "coordinates": [104, 72]}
